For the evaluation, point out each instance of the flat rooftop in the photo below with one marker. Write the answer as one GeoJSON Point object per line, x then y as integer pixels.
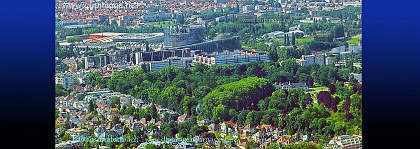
{"type": "Point", "coordinates": [77, 26]}
{"type": "Point", "coordinates": [231, 54]}
{"type": "Point", "coordinates": [108, 34]}
{"type": "Point", "coordinates": [140, 35]}
{"type": "Point", "coordinates": [95, 45]}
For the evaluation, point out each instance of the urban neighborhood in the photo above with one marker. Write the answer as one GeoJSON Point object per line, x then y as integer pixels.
{"type": "Point", "coordinates": [184, 74]}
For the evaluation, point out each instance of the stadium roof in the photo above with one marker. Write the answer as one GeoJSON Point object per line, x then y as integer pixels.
{"type": "Point", "coordinates": [108, 34]}
{"type": "Point", "coordinates": [222, 36]}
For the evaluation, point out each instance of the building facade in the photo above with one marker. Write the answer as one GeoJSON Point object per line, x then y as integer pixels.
{"type": "Point", "coordinates": [139, 37]}
{"type": "Point", "coordinates": [181, 36]}
{"type": "Point", "coordinates": [175, 62]}
{"type": "Point", "coordinates": [97, 61]}
{"type": "Point", "coordinates": [319, 59]}
{"type": "Point", "coordinates": [345, 142]}
{"type": "Point", "coordinates": [236, 57]}
{"type": "Point", "coordinates": [292, 86]}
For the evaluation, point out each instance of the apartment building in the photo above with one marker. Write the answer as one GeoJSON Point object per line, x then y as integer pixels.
{"type": "Point", "coordinates": [236, 57]}
{"type": "Point", "coordinates": [345, 142]}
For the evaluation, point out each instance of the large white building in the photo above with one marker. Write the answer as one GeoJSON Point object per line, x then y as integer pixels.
{"type": "Point", "coordinates": [320, 59]}
{"type": "Point", "coordinates": [222, 1]}
{"type": "Point", "coordinates": [354, 4]}
{"type": "Point", "coordinates": [138, 37]}
{"type": "Point", "coordinates": [329, 61]}
{"type": "Point", "coordinates": [311, 59]}
{"type": "Point", "coordinates": [345, 142]}
{"type": "Point", "coordinates": [67, 80]}
{"type": "Point", "coordinates": [158, 65]}
{"type": "Point", "coordinates": [292, 86]}
{"type": "Point", "coordinates": [280, 34]}
{"type": "Point", "coordinates": [96, 61]}
{"type": "Point", "coordinates": [236, 57]}
{"type": "Point", "coordinates": [172, 61]}
{"type": "Point", "coordinates": [247, 8]}
{"type": "Point", "coordinates": [183, 35]}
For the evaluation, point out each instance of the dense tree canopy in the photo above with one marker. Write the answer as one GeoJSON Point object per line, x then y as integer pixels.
{"type": "Point", "coordinates": [239, 95]}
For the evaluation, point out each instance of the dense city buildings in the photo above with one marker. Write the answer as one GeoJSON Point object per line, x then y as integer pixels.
{"type": "Point", "coordinates": [189, 73]}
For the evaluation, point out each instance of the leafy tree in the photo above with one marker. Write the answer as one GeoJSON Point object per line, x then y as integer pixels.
{"type": "Point", "coordinates": [332, 89]}
{"type": "Point", "coordinates": [151, 146]}
{"type": "Point", "coordinates": [171, 98]}
{"type": "Point", "coordinates": [273, 55]}
{"type": "Point", "coordinates": [273, 146]}
{"type": "Point", "coordinates": [326, 74]}
{"type": "Point", "coordinates": [80, 65]}
{"type": "Point", "coordinates": [251, 144]}
{"type": "Point", "coordinates": [180, 19]}
{"type": "Point", "coordinates": [237, 8]}
{"type": "Point", "coordinates": [115, 120]}
{"type": "Point", "coordinates": [129, 110]}
{"type": "Point", "coordinates": [166, 131]}
{"type": "Point", "coordinates": [241, 70]}
{"type": "Point", "coordinates": [356, 105]}
{"type": "Point", "coordinates": [310, 81]}
{"type": "Point", "coordinates": [220, 113]}
{"type": "Point", "coordinates": [60, 91]}
{"type": "Point", "coordinates": [242, 116]}
{"type": "Point", "coordinates": [153, 111]}
{"type": "Point", "coordinates": [293, 39]}
{"type": "Point", "coordinates": [290, 65]}
{"type": "Point", "coordinates": [151, 127]}
{"type": "Point", "coordinates": [349, 116]}
{"type": "Point", "coordinates": [57, 112]}
{"type": "Point", "coordinates": [329, 102]}
{"type": "Point", "coordinates": [258, 71]}
{"type": "Point", "coordinates": [306, 145]}
{"type": "Point", "coordinates": [247, 91]}
{"type": "Point", "coordinates": [115, 101]}
{"type": "Point", "coordinates": [233, 114]}
{"type": "Point", "coordinates": [285, 40]}
{"type": "Point", "coordinates": [66, 137]}
{"type": "Point", "coordinates": [299, 35]}
{"type": "Point", "coordinates": [91, 107]}
{"type": "Point", "coordinates": [282, 79]}
{"type": "Point", "coordinates": [201, 91]}
{"type": "Point", "coordinates": [338, 31]}
{"type": "Point", "coordinates": [188, 104]}
{"type": "Point", "coordinates": [74, 39]}
{"type": "Point", "coordinates": [250, 118]}
{"type": "Point", "coordinates": [184, 128]}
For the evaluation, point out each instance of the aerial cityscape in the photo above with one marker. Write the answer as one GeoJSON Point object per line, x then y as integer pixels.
{"type": "Point", "coordinates": [185, 74]}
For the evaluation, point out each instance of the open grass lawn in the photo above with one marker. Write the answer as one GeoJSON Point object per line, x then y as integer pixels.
{"type": "Point", "coordinates": [246, 47]}
{"type": "Point", "coordinates": [313, 96]}
{"type": "Point", "coordinates": [304, 40]}
{"type": "Point", "coordinates": [354, 39]}
{"type": "Point", "coordinates": [357, 36]}
{"type": "Point", "coordinates": [267, 24]}
{"type": "Point", "coordinates": [166, 24]}
{"type": "Point", "coordinates": [313, 91]}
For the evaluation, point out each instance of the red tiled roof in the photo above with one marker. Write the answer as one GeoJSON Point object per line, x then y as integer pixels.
{"type": "Point", "coordinates": [230, 123]}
